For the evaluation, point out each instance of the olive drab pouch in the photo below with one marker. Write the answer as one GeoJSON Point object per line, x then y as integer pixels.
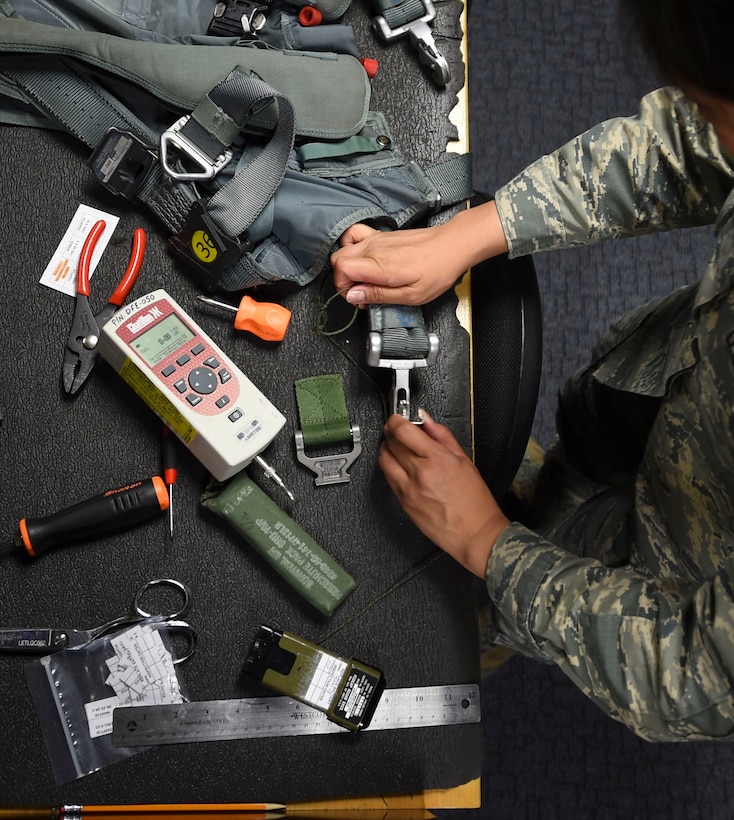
{"type": "Point", "coordinates": [220, 137]}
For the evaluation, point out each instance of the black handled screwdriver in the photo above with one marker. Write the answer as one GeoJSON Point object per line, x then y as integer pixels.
{"type": "Point", "coordinates": [108, 512]}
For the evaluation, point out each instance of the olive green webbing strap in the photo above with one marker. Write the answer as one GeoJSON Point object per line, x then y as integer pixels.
{"type": "Point", "coordinates": [324, 421]}
{"type": "Point", "coordinates": [322, 410]}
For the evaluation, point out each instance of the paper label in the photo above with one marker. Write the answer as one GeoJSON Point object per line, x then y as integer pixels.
{"type": "Point", "coordinates": [141, 674]}
{"type": "Point", "coordinates": [324, 684]}
{"type": "Point", "coordinates": [60, 273]}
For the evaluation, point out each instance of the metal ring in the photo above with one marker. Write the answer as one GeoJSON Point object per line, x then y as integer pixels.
{"type": "Point", "coordinates": [167, 582]}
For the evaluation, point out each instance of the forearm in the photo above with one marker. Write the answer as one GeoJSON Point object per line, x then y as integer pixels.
{"type": "Point", "coordinates": [659, 170]}
{"type": "Point", "coordinates": [654, 654]}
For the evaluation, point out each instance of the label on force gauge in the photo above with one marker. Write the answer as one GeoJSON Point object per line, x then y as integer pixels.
{"type": "Point", "coordinates": [412, 707]}
{"type": "Point", "coordinates": [189, 382]}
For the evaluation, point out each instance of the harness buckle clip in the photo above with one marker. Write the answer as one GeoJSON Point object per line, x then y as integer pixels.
{"type": "Point", "coordinates": [122, 162]}
{"type": "Point", "coordinates": [400, 399]}
{"type": "Point", "coordinates": [239, 18]}
{"type": "Point", "coordinates": [176, 143]}
{"type": "Point", "coordinates": [331, 468]}
{"type": "Point", "coordinates": [422, 39]}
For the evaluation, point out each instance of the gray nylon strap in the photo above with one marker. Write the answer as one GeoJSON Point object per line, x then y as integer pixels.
{"type": "Point", "coordinates": [403, 331]}
{"type": "Point", "coordinates": [453, 178]}
{"type": "Point", "coordinates": [238, 203]}
{"type": "Point", "coordinates": [400, 13]}
{"type": "Point", "coordinates": [83, 108]}
{"type": "Point", "coordinates": [88, 112]}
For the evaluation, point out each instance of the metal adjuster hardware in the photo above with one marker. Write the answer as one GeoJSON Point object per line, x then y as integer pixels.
{"type": "Point", "coordinates": [332, 468]}
{"type": "Point", "coordinates": [122, 162]}
{"type": "Point", "coordinates": [400, 400]}
{"type": "Point", "coordinates": [421, 37]}
{"type": "Point", "coordinates": [238, 18]}
{"type": "Point", "coordinates": [173, 142]}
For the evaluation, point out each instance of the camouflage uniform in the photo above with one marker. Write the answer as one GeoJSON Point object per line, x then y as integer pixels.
{"type": "Point", "coordinates": [626, 580]}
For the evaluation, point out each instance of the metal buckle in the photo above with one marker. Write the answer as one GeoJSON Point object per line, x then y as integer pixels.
{"type": "Point", "coordinates": [400, 400]}
{"type": "Point", "coordinates": [239, 18]}
{"type": "Point", "coordinates": [388, 34]}
{"type": "Point", "coordinates": [122, 162]}
{"type": "Point", "coordinates": [332, 468]}
{"type": "Point", "coordinates": [422, 38]}
{"type": "Point", "coordinates": [174, 139]}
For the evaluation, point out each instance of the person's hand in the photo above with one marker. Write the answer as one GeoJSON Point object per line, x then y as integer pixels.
{"type": "Point", "coordinates": [412, 267]}
{"type": "Point", "coordinates": [441, 490]}
{"type": "Point", "coordinates": [409, 267]}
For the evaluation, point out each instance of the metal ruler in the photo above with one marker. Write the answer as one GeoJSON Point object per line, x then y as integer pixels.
{"type": "Point", "coordinates": [281, 716]}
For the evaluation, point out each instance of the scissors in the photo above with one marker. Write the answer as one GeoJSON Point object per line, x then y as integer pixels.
{"type": "Point", "coordinates": [81, 352]}
{"type": "Point", "coordinates": [44, 640]}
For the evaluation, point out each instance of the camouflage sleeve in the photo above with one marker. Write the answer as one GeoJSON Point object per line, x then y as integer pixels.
{"type": "Point", "coordinates": [653, 654]}
{"type": "Point", "coordinates": [658, 170]}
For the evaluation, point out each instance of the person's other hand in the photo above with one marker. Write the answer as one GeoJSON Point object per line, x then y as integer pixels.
{"type": "Point", "coordinates": [440, 488]}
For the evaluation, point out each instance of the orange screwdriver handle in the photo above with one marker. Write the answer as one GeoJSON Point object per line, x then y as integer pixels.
{"type": "Point", "coordinates": [267, 320]}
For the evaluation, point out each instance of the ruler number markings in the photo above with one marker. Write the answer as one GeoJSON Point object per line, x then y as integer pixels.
{"type": "Point", "coordinates": [281, 716]}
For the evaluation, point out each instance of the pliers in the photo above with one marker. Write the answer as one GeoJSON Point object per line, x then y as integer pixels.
{"type": "Point", "coordinates": [81, 346]}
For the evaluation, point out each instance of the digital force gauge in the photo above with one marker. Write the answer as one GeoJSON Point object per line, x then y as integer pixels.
{"type": "Point", "coordinates": [412, 707]}
{"type": "Point", "coordinates": [188, 381]}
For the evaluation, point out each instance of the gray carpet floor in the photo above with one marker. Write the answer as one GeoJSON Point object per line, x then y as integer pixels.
{"type": "Point", "coordinates": [541, 71]}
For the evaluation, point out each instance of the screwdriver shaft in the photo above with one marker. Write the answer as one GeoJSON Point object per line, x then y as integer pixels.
{"type": "Point", "coordinates": [218, 303]}
{"type": "Point", "coordinates": [170, 472]}
{"type": "Point", "coordinates": [170, 509]}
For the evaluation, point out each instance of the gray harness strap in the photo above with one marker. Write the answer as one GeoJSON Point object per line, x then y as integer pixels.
{"type": "Point", "coordinates": [175, 173]}
{"type": "Point", "coordinates": [239, 202]}
{"type": "Point", "coordinates": [227, 215]}
{"type": "Point", "coordinates": [86, 110]}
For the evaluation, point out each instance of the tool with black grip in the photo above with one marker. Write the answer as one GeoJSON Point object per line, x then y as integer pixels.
{"type": "Point", "coordinates": [110, 511]}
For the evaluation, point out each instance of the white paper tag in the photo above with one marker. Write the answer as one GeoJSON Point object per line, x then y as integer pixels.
{"type": "Point", "coordinates": [141, 674]}
{"type": "Point", "coordinates": [99, 715]}
{"type": "Point", "coordinates": [327, 676]}
{"type": "Point", "coordinates": [60, 273]}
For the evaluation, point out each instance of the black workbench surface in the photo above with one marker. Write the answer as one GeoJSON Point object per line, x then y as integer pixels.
{"type": "Point", "coordinates": [57, 450]}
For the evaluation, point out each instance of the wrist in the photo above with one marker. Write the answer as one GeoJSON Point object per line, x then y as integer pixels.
{"type": "Point", "coordinates": [479, 549]}
{"type": "Point", "coordinates": [478, 234]}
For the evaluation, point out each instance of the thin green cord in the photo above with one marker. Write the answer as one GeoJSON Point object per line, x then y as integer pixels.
{"type": "Point", "coordinates": [414, 573]}
{"type": "Point", "coordinates": [320, 328]}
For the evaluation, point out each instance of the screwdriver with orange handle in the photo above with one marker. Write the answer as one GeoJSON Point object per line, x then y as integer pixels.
{"type": "Point", "coordinates": [267, 320]}
{"type": "Point", "coordinates": [110, 511]}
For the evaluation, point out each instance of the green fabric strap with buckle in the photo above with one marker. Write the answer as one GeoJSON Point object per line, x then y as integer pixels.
{"type": "Point", "coordinates": [322, 410]}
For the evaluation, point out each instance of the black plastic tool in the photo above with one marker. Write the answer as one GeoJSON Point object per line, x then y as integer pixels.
{"type": "Point", "coordinates": [108, 512]}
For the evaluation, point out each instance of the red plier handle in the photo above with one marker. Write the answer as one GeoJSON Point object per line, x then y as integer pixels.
{"type": "Point", "coordinates": [85, 258]}
{"type": "Point", "coordinates": [81, 345]}
{"type": "Point", "coordinates": [133, 268]}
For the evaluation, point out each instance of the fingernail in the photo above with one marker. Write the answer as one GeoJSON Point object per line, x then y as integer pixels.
{"type": "Point", "coordinates": [355, 297]}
